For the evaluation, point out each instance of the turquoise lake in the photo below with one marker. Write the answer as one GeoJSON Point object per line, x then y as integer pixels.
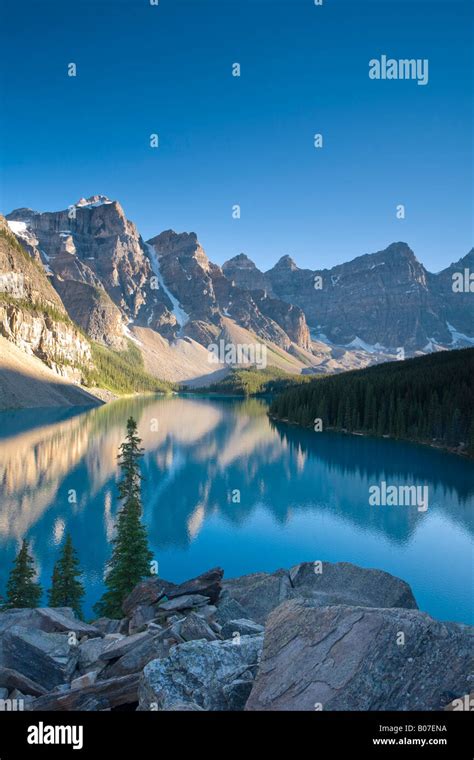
{"type": "Point", "coordinates": [303, 496]}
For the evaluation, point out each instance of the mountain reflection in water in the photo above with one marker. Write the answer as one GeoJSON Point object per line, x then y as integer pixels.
{"type": "Point", "coordinates": [303, 495]}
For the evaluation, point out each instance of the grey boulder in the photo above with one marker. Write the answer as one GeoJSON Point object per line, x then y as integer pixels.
{"type": "Point", "coordinates": [46, 658]}
{"type": "Point", "coordinates": [229, 609]}
{"type": "Point", "coordinates": [360, 658]}
{"type": "Point", "coordinates": [260, 593]}
{"type": "Point", "coordinates": [195, 627]}
{"type": "Point", "coordinates": [207, 584]}
{"type": "Point", "coordinates": [325, 583]}
{"type": "Point", "coordinates": [345, 583]}
{"type": "Point", "coordinates": [187, 602]}
{"type": "Point", "coordinates": [197, 671]}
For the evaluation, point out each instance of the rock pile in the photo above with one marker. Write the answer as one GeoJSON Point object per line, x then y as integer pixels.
{"type": "Point", "coordinates": [333, 637]}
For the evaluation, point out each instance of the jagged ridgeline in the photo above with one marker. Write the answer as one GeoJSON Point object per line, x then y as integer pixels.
{"type": "Point", "coordinates": [427, 399]}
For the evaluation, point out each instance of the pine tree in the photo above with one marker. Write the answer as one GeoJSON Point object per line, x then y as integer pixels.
{"type": "Point", "coordinates": [22, 589]}
{"type": "Point", "coordinates": [67, 590]}
{"type": "Point", "coordinates": [131, 558]}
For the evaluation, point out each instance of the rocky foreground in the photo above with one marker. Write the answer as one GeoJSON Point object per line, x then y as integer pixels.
{"type": "Point", "coordinates": [320, 636]}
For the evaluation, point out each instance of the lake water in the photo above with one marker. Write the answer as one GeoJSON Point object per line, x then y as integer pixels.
{"type": "Point", "coordinates": [303, 496]}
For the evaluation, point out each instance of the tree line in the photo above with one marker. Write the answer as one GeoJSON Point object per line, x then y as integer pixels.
{"type": "Point", "coordinates": [129, 564]}
{"type": "Point", "coordinates": [428, 399]}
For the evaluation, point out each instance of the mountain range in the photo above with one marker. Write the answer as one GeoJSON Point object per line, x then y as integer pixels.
{"type": "Point", "coordinates": [89, 264]}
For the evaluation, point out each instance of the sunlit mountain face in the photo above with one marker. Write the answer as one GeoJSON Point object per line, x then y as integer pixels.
{"type": "Point", "coordinates": [224, 485]}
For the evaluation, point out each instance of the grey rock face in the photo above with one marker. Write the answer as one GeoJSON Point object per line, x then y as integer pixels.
{"type": "Point", "coordinates": [12, 679]}
{"type": "Point", "coordinates": [197, 671]}
{"type": "Point", "coordinates": [142, 615]}
{"type": "Point", "coordinates": [351, 658]}
{"type": "Point", "coordinates": [134, 660]}
{"type": "Point", "coordinates": [195, 627]}
{"type": "Point", "coordinates": [338, 583]}
{"type": "Point", "coordinates": [122, 646]}
{"type": "Point", "coordinates": [186, 602]}
{"type": "Point", "coordinates": [46, 658]}
{"type": "Point", "coordinates": [207, 295]}
{"type": "Point", "coordinates": [89, 653]}
{"type": "Point", "coordinates": [387, 297]}
{"type": "Point", "coordinates": [345, 583]}
{"type": "Point", "coordinates": [58, 620]}
{"type": "Point", "coordinates": [229, 609]}
{"type": "Point", "coordinates": [260, 593]}
{"type": "Point", "coordinates": [106, 625]}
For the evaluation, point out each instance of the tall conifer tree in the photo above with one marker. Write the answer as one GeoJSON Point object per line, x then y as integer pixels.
{"type": "Point", "coordinates": [22, 588]}
{"type": "Point", "coordinates": [67, 590]}
{"type": "Point", "coordinates": [131, 557]}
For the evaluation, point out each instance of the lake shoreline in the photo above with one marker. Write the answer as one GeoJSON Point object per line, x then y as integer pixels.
{"type": "Point", "coordinates": [426, 444]}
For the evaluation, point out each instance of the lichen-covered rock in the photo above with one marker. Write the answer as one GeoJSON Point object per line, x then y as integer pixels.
{"type": "Point", "coordinates": [197, 671]}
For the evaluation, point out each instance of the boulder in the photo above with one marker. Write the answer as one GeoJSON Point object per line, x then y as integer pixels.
{"type": "Point", "coordinates": [354, 658]}
{"type": "Point", "coordinates": [48, 619]}
{"type": "Point", "coordinates": [101, 695]}
{"type": "Point", "coordinates": [208, 584]}
{"type": "Point", "coordinates": [229, 609]}
{"type": "Point", "coordinates": [344, 583]}
{"type": "Point", "coordinates": [11, 679]}
{"type": "Point", "coordinates": [135, 659]}
{"type": "Point", "coordinates": [260, 593]}
{"type": "Point", "coordinates": [237, 693]}
{"type": "Point", "coordinates": [197, 671]}
{"type": "Point", "coordinates": [195, 627]}
{"type": "Point", "coordinates": [63, 620]}
{"type": "Point", "coordinates": [186, 602]}
{"type": "Point", "coordinates": [242, 627]}
{"type": "Point", "coordinates": [46, 658]}
{"type": "Point", "coordinates": [107, 625]}
{"type": "Point", "coordinates": [86, 680]}
{"type": "Point", "coordinates": [337, 583]}
{"type": "Point", "coordinates": [148, 591]}
{"type": "Point", "coordinates": [89, 653]}
{"type": "Point", "coordinates": [141, 616]}
{"type": "Point", "coordinates": [121, 646]}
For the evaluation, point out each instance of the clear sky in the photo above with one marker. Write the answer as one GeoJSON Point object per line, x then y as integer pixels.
{"type": "Point", "coordinates": [223, 140]}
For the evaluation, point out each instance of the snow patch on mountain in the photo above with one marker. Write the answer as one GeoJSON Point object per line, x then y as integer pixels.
{"type": "Point", "coordinates": [17, 227]}
{"type": "Point", "coordinates": [459, 337]}
{"type": "Point", "coordinates": [359, 343]}
{"type": "Point", "coordinates": [93, 202]}
{"type": "Point", "coordinates": [181, 316]}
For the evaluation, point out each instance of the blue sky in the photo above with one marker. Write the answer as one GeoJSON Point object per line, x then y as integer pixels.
{"type": "Point", "coordinates": [224, 140]}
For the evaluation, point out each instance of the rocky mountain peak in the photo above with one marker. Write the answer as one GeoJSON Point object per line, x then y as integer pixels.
{"type": "Point", "coordinates": [242, 272]}
{"type": "Point", "coordinates": [94, 200]}
{"type": "Point", "coordinates": [241, 260]}
{"type": "Point", "coordinates": [286, 262]}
